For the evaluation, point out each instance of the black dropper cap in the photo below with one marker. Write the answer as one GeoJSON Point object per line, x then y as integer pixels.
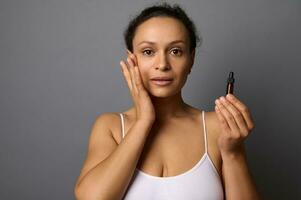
{"type": "Point", "coordinates": [231, 77]}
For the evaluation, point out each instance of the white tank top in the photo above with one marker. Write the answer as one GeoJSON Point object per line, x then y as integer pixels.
{"type": "Point", "coordinates": [201, 182]}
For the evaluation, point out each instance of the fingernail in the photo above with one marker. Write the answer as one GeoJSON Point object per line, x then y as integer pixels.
{"type": "Point", "coordinates": [128, 51]}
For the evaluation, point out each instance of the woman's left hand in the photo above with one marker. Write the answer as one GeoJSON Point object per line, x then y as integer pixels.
{"type": "Point", "coordinates": [235, 122]}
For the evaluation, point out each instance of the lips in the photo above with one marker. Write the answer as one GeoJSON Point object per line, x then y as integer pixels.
{"type": "Point", "coordinates": [162, 81]}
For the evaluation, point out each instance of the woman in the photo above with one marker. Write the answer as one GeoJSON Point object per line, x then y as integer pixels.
{"type": "Point", "coordinates": [163, 148]}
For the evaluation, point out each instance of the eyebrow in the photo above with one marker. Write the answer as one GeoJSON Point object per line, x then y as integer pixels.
{"type": "Point", "coordinates": [173, 42]}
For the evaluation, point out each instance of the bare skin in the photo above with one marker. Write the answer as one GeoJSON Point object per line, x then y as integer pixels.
{"type": "Point", "coordinates": [175, 146]}
{"type": "Point", "coordinates": [176, 141]}
{"type": "Point", "coordinates": [163, 134]}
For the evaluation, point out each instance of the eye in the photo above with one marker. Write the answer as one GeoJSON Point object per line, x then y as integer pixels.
{"type": "Point", "coordinates": [176, 51]}
{"type": "Point", "coordinates": [147, 52]}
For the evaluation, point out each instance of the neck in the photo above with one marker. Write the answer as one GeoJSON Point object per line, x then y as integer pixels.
{"type": "Point", "coordinates": [169, 107]}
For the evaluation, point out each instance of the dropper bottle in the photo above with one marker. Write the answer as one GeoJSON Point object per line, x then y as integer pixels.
{"type": "Point", "coordinates": [230, 83]}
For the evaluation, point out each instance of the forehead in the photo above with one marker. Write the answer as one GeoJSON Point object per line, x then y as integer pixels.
{"type": "Point", "coordinates": [161, 30]}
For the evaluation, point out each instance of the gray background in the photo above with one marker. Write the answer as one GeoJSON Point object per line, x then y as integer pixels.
{"type": "Point", "coordinates": [59, 70]}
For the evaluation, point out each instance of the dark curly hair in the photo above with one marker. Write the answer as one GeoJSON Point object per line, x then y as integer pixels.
{"type": "Point", "coordinates": [163, 10]}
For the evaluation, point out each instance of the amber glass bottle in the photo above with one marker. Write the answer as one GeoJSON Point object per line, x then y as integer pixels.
{"type": "Point", "coordinates": [230, 83]}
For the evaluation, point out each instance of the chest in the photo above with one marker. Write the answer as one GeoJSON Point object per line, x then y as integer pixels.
{"type": "Point", "coordinates": [174, 148]}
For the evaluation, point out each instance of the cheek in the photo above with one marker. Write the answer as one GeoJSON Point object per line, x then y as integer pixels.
{"type": "Point", "coordinates": [145, 62]}
{"type": "Point", "coordinates": [183, 68]}
{"type": "Point", "coordinates": [182, 75]}
{"type": "Point", "coordinates": [144, 67]}
{"type": "Point", "coordinates": [143, 74]}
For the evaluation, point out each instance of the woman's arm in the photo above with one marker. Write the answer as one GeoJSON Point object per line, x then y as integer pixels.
{"type": "Point", "coordinates": [238, 181]}
{"type": "Point", "coordinates": [235, 126]}
{"type": "Point", "coordinates": [109, 178]}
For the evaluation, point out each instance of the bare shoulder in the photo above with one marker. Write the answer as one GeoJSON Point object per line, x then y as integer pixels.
{"type": "Point", "coordinates": [102, 130]}
{"type": "Point", "coordinates": [214, 131]}
{"type": "Point", "coordinates": [213, 123]}
{"type": "Point", "coordinates": [101, 143]}
{"type": "Point", "coordinates": [105, 119]}
{"type": "Point", "coordinates": [112, 122]}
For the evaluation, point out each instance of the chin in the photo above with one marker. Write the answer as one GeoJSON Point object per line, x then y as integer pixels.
{"type": "Point", "coordinates": [162, 93]}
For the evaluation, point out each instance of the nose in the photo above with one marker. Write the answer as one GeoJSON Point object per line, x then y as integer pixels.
{"type": "Point", "coordinates": [162, 63]}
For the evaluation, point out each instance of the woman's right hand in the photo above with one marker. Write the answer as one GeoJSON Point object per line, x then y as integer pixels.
{"type": "Point", "coordinates": [143, 104]}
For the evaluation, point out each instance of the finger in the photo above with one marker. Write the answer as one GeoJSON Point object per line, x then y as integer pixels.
{"type": "Point", "coordinates": [243, 109]}
{"type": "Point", "coordinates": [126, 74]}
{"type": "Point", "coordinates": [129, 52]}
{"type": "Point", "coordinates": [240, 121]}
{"type": "Point", "coordinates": [133, 56]}
{"type": "Point", "coordinates": [223, 122]}
{"type": "Point", "coordinates": [139, 81]}
{"type": "Point", "coordinates": [131, 76]}
{"type": "Point", "coordinates": [131, 67]}
{"type": "Point", "coordinates": [229, 118]}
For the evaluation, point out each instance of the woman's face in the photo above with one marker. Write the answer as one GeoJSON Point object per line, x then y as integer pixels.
{"type": "Point", "coordinates": [161, 45]}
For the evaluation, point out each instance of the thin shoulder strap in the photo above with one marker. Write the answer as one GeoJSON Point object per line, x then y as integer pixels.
{"type": "Point", "coordinates": [205, 131]}
{"type": "Point", "coordinates": [122, 124]}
